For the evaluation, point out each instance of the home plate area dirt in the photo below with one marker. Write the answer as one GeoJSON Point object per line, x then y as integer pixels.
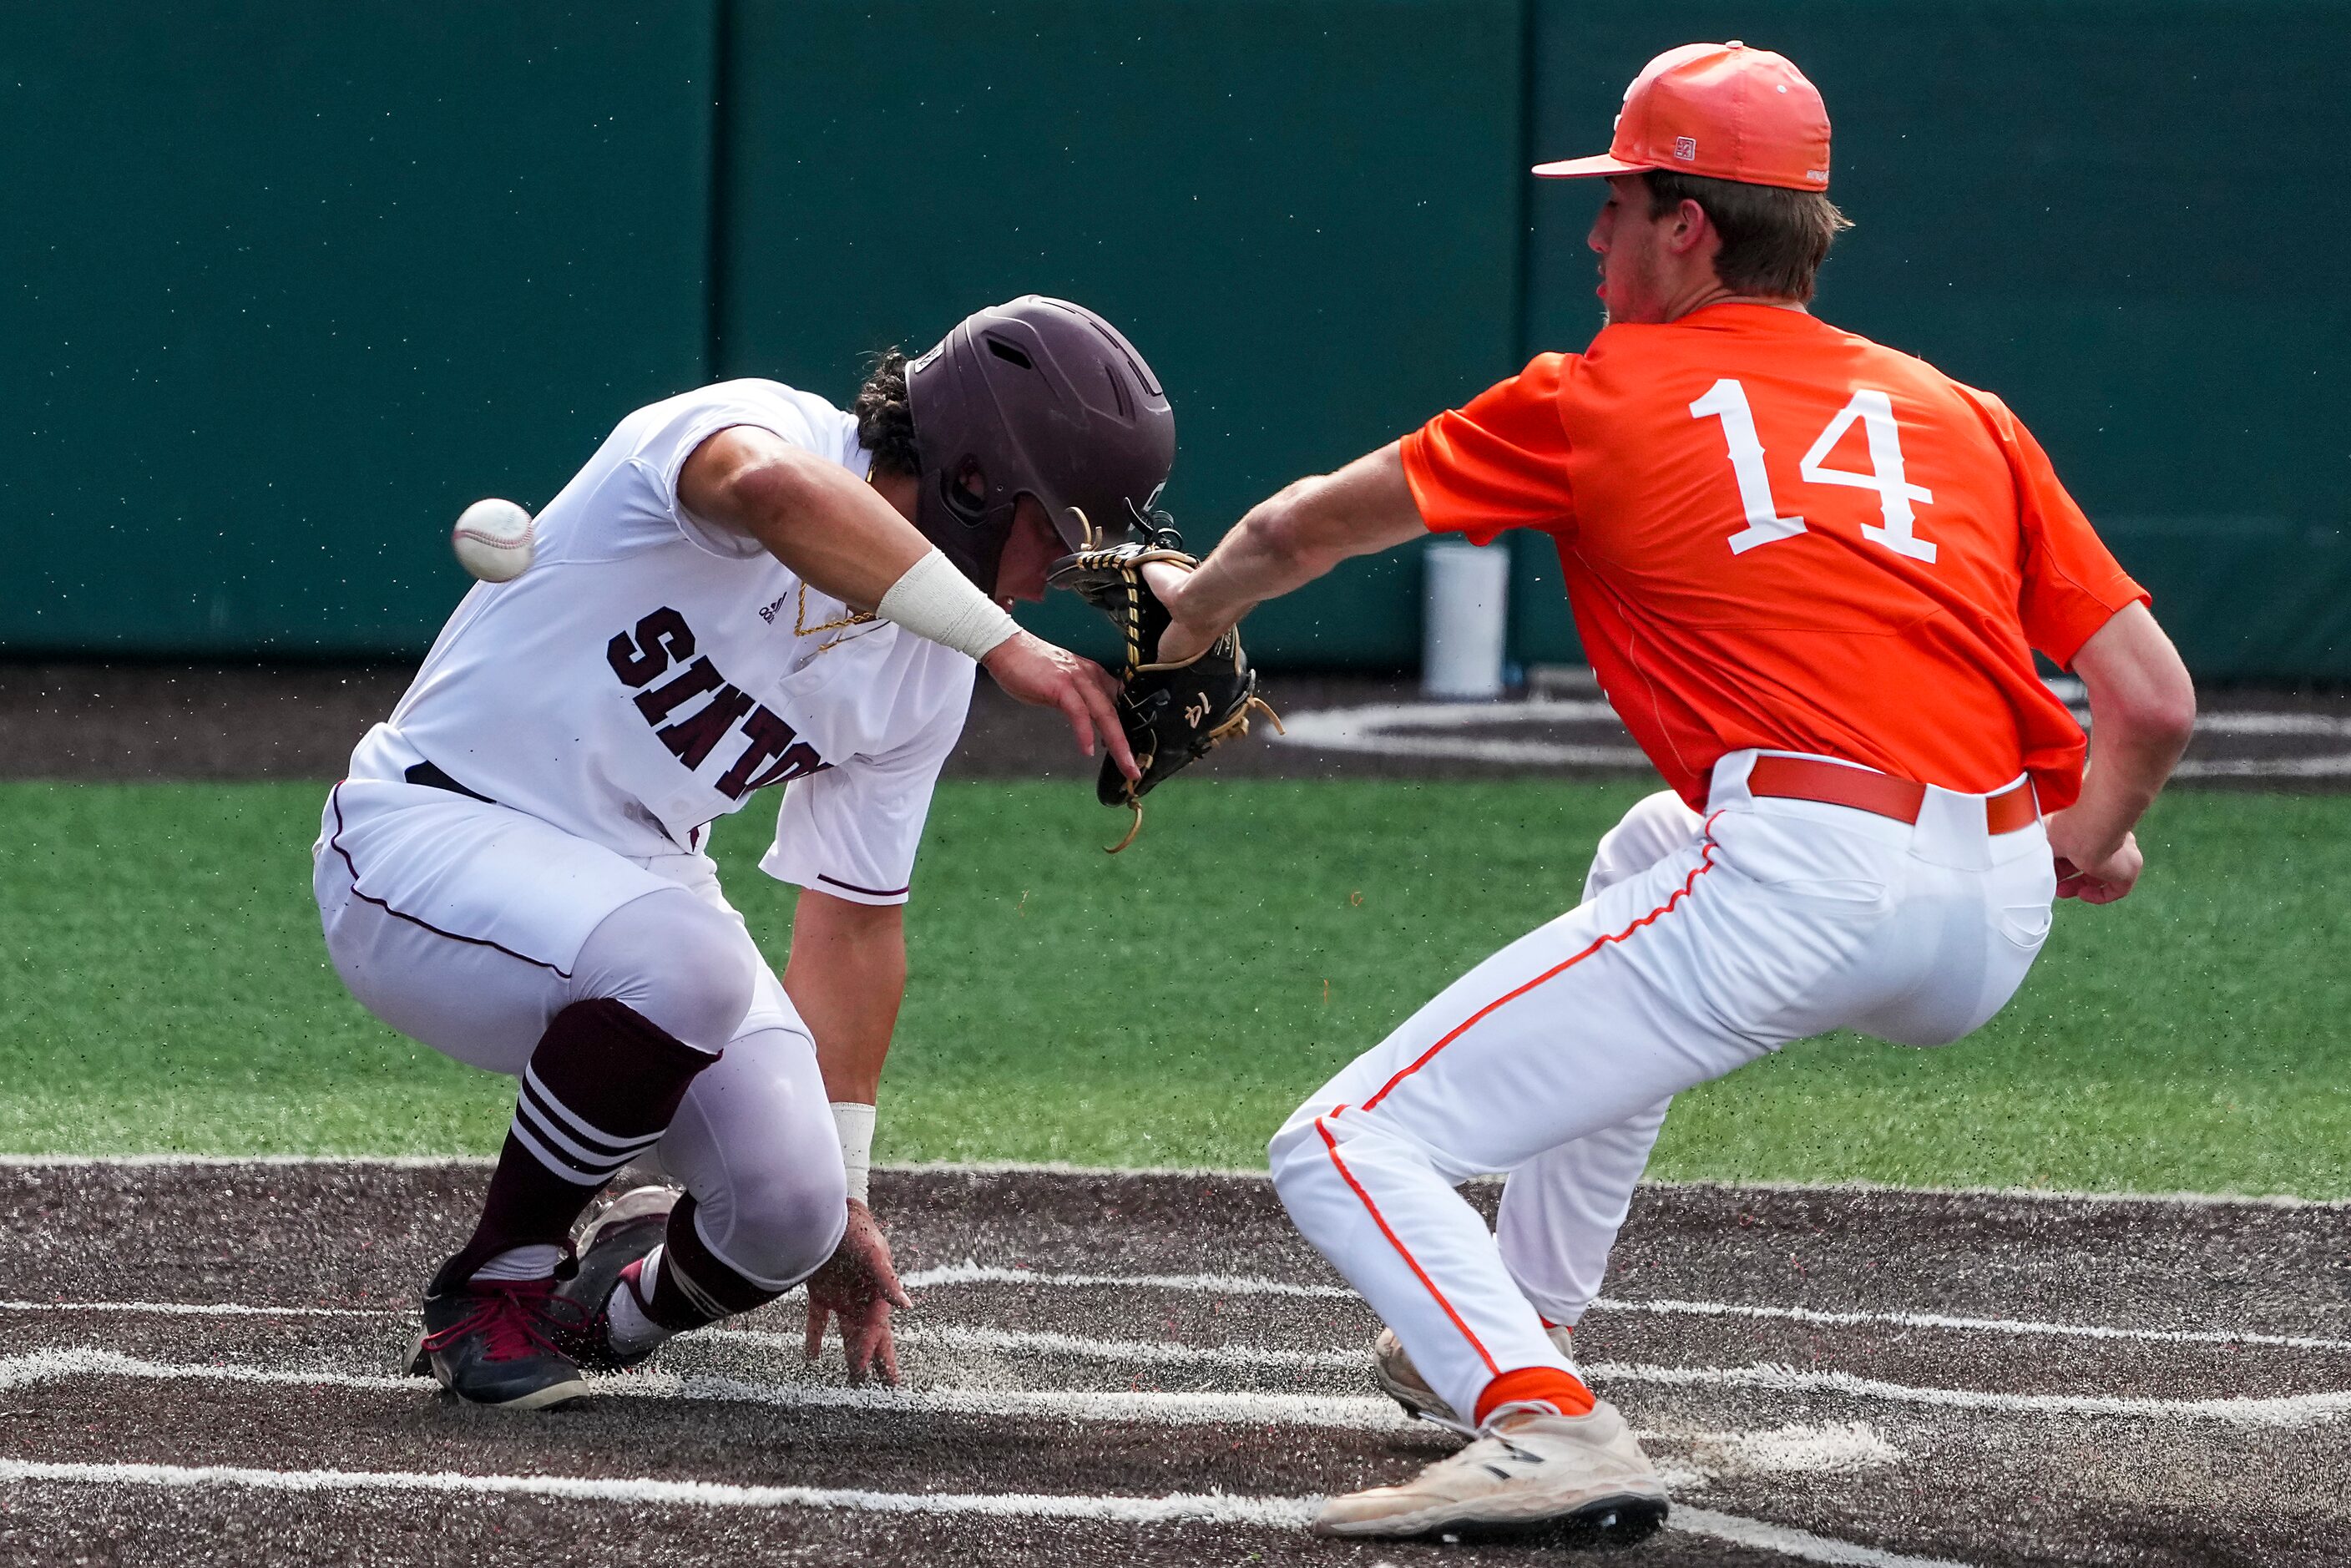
{"type": "Point", "coordinates": [1145, 1369]}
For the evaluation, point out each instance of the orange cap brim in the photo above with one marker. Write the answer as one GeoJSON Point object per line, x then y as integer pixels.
{"type": "Point", "coordinates": [1599, 163]}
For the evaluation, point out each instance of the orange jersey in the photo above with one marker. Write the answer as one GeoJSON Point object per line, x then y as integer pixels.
{"type": "Point", "coordinates": [1782, 536]}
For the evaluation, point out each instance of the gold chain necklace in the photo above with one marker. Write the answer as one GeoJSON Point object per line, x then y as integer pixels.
{"type": "Point", "coordinates": [800, 628]}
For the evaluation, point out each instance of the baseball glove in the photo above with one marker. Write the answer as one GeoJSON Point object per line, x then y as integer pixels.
{"type": "Point", "coordinates": [1173, 715]}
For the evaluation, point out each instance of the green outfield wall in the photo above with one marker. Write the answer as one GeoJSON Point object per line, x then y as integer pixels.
{"type": "Point", "coordinates": [1303, 211]}
{"type": "Point", "coordinates": [287, 286]}
{"type": "Point", "coordinates": [2091, 208]}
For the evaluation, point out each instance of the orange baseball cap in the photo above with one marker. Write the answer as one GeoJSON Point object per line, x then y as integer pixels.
{"type": "Point", "coordinates": [1723, 110]}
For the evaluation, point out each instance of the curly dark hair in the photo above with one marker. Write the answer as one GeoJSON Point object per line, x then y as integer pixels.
{"type": "Point", "coordinates": [885, 419]}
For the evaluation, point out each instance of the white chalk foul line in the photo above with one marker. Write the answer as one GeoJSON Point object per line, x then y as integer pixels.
{"type": "Point", "coordinates": [1153, 1407]}
{"type": "Point", "coordinates": [195, 1310]}
{"type": "Point", "coordinates": [2284, 1410]}
{"type": "Point", "coordinates": [1032, 1342]}
{"type": "Point", "coordinates": [1343, 1412]}
{"type": "Point", "coordinates": [1793, 1542]}
{"type": "Point", "coordinates": [1175, 1508]}
{"type": "Point", "coordinates": [1988, 1325]}
{"type": "Point", "coordinates": [1215, 1284]}
{"type": "Point", "coordinates": [1838, 1448]}
{"type": "Point", "coordinates": [1000, 1340]}
{"type": "Point", "coordinates": [1205, 1508]}
{"type": "Point", "coordinates": [1243, 1285]}
{"type": "Point", "coordinates": [1142, 1407]}
{"type": "Point", "coordinates": [46, 1365]}
{"type": "Point", "coordinates": [2287, 1410]}
{"type": "Point", "coordinates": [1249, 1285]}
{"type": "Point", "coordinates": [1208, 1507]}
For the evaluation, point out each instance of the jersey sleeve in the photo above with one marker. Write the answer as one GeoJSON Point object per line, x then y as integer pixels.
{"type": "Point", "coordinates": [2073, 584]}
{"type": "Point", "coordinates": [687, 421]}
{"type": "Point", "coordinates": [1499, 462]}
{"type": "Point", "coordinates": [853, 831]}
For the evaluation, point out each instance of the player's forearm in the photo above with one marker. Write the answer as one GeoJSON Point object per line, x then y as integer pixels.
{"type": "Point", "coordinates": [2142, 713]}
{"type": "Point", "coordinates": [1299, 534]}
{"type": "Point", "coordinates": [835, 533]}
{"type": "Point", "coordinates": [846, 976]}
{"type": "Point", "coordinates": [2128, 767]}
{"type": "Point", "coordinates": [832, 528]}
{"type": "Point", "coordinates": [1266, 555]}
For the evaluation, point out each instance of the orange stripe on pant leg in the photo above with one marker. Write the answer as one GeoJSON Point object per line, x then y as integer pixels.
{"type": "Point", "coordinates": [1550, 974]}
{"type": "Point", "coordinates": [1332, 1144]}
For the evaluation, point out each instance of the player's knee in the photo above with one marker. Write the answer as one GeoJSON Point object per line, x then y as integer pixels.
{"type": "Point", "coordinates": [698, 971]}
{"type": "Point", "coordinates": [713, 988]}
{"type": "Point", "coordinates": [1290, 1154]}
{"type": "Point", "coordinates": [787, 1219]}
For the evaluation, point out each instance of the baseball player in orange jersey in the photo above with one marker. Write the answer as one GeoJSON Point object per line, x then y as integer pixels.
{"type": "Point", "coordinates": [1809, 573]}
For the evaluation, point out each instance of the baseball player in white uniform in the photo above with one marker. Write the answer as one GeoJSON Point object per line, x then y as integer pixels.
{"type": "Point", "coordinates": [745, 586]}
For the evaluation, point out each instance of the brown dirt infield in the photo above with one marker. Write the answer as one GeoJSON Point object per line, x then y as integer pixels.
{"type": "Point", "coordinates": [1863, 1377]}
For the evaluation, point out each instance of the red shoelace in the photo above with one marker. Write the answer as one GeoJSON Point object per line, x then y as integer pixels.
{"type": "Point", "coordinates": [515, 1318]}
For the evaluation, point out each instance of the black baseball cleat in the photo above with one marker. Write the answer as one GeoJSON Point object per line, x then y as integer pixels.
{"type": "Point", "coordinates": [618, 1236]}
{"type": "Point", "coordinates": [500, 1342]}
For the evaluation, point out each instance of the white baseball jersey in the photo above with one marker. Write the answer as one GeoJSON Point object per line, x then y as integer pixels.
{"type": "Point", "coordinates": [650, 671]}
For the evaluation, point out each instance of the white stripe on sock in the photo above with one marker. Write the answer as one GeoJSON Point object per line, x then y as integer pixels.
{"type": "Point", "coordinates": [536, 1261]}
{"type": "Point", "coordinates": [564, 1125]}
{"type": "Point", "coordinates": [530, 1140]}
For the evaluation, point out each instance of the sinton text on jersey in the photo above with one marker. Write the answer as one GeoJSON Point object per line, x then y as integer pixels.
{"type": "Point", "coordinates": [774, 754]}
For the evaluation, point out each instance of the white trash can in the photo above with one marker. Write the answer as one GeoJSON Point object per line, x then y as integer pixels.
{"type": "Point", "coordinates": [1466, 616]}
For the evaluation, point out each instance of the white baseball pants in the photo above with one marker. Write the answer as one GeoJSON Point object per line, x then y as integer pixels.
{"type": "Point", "coordinates": [468, 927]}
{"type": "Point", "coordinates": [1561, 1210]}
{"type": "Point", "coordinates": [1553, 1061]}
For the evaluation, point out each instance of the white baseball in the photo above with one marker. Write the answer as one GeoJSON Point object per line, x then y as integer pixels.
{"type": "Point", "coordinates": [495, 540]}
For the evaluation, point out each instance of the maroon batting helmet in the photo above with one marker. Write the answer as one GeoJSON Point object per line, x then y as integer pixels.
{"type": "Point", "coordinates": [1035, 397]}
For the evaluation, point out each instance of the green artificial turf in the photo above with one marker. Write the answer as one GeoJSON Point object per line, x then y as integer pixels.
{"type": "Point", "coordinates": [162, 988]}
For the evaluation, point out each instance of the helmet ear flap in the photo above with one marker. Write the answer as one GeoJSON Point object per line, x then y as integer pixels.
{"type": "Point", "coordinates": [964, 488]}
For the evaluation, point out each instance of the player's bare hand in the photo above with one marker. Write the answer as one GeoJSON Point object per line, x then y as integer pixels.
{"type": "Point", "coordinates": [1184, 640]}
{"type": "Point", "coordinates": [857, 1287]}
{"type": "Point", "coordinates": [2084, 872]}
{"type": "Point", "coordinates": [1043, 675]}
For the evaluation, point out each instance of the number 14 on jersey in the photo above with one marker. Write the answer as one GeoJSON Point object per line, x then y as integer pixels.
{"type": "Point", "coordinates": [1727, 401]}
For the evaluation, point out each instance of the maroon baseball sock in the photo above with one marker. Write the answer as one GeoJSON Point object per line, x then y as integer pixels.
{"type": "Point", "coordinates": [692, 1287]}
{"type": "Point", "coordinates": [599, 1090]}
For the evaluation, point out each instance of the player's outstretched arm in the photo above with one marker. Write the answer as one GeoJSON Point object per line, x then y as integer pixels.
{"type": "Point", "coordinates": [2142, 712]}
{"type": "Point", "coordinates": [829, 527]}
{"type": "Point", "coordinates": [846, 976]}
{"type": "Point", "coordinates": [834, 531]}
{"type": "Point", "coordinates": [1288, 541]}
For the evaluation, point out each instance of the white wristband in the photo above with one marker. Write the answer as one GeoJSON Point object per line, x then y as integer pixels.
{"type": "Point", "coordinates": [854, 1123]}
{"type": "Point", "coordinates": [935, 600]}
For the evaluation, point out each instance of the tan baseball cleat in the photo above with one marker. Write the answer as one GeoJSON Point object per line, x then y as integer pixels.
{"type": "Point", "coordinates": [1401, 1381]}
{"type": "Point", "coordinates": [1532, 1475]}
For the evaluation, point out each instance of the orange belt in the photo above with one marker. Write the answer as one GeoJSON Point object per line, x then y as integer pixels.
{"type": "Point", "coordinates": [1881, 794]}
